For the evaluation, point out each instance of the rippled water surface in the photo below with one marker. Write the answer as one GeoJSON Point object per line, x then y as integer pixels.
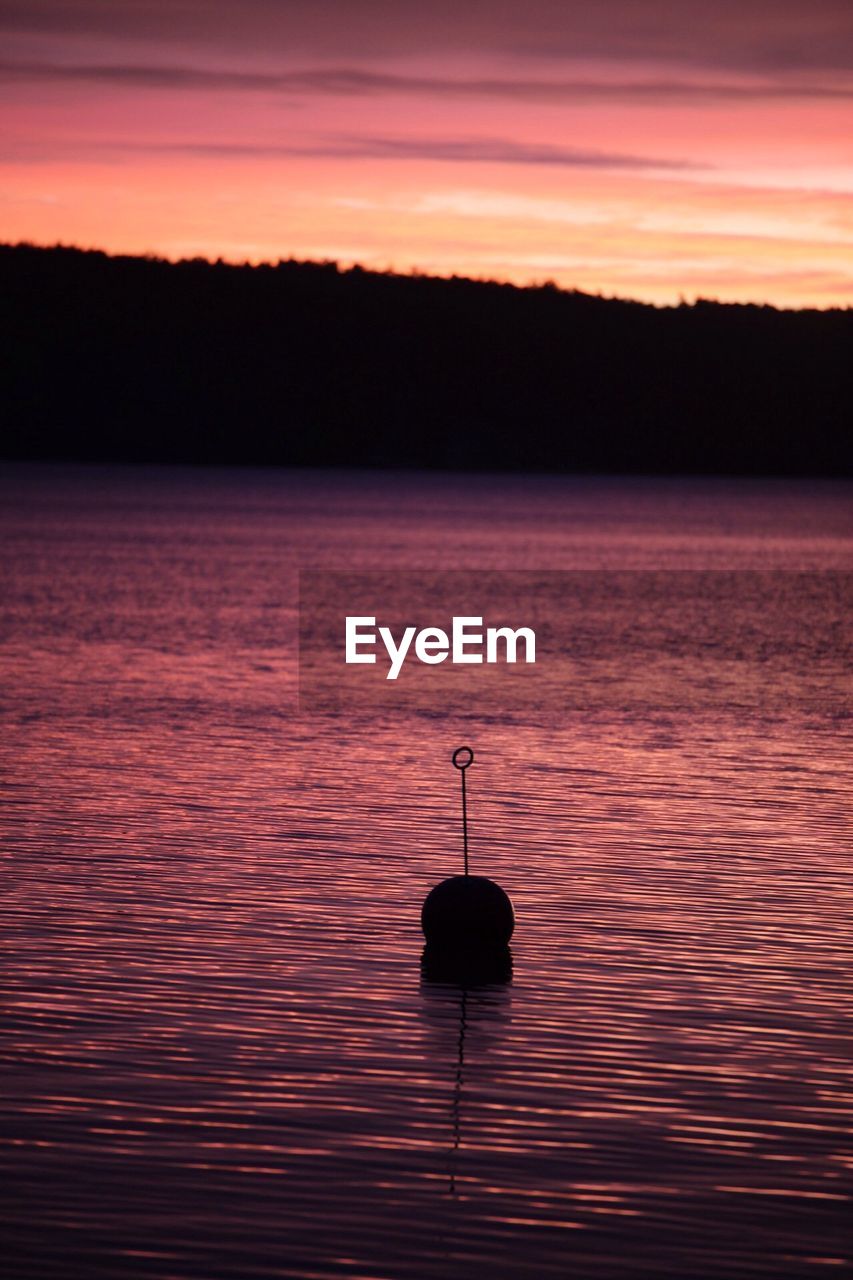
{"type": "Point", "coordinates": [220, 1054]}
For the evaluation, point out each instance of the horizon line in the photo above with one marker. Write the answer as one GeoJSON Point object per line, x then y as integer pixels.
{"type": "Point", "coordinates": [414, 273]}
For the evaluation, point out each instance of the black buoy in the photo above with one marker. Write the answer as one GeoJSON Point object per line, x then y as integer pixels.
{"type": "Point", "coordinates": [467, 914]}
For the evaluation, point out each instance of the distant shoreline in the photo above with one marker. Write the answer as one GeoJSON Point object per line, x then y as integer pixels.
{"type": "Point", "coordinates": [443, 479]}
{"type": "Point", "coordinates": [124, 359]}
{"type": "Point", "coordinates": [356, 269]}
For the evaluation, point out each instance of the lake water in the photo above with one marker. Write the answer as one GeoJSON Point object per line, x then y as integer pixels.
{"type": "Point", "coordinates": [220, 1055]}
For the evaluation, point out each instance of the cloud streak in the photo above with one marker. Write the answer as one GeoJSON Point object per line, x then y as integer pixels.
{"type": "Point", "coordinates": [453, 150]}
{"type": "Point", "coordinates": [358, 82]}
{"type": "Point", "coordinates": [741, 35]}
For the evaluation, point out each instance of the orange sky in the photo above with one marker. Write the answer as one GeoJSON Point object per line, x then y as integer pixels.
{"type": "Point", "coordinates": [644, 150]}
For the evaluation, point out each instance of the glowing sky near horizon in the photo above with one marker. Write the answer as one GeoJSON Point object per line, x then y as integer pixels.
{"type": "Point", "coordinates": [651, 150]}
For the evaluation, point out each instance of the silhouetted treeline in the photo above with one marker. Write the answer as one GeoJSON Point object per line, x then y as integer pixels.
{"type": "Point", "coordinates": [303, 364]}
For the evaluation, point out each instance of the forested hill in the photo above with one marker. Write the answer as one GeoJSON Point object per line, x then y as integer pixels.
{"type": "Point", "coordinates": [136, 359]}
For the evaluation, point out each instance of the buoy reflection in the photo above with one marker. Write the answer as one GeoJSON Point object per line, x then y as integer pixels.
{"type": "Point", "coordinates": [478, 985]}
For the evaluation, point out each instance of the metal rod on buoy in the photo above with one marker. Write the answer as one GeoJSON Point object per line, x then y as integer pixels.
{"type": "Point", "coordinates": [467, 915]}
{"type": "Point", "coordinates": [462, 764]}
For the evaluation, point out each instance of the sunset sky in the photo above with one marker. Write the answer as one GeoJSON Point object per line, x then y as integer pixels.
{"type": "Point", "coordinates": [652, 150]}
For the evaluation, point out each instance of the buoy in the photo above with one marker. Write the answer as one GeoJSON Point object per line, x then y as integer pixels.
{"type": "Point", "coordinates": [467, 914]}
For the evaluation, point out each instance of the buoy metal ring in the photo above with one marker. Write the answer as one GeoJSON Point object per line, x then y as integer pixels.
{"type": "Point", "coordinates": [462, 757]}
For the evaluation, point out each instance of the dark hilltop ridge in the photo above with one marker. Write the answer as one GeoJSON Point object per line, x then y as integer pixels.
{"type": "Point", "coordinates": [300, 363]}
